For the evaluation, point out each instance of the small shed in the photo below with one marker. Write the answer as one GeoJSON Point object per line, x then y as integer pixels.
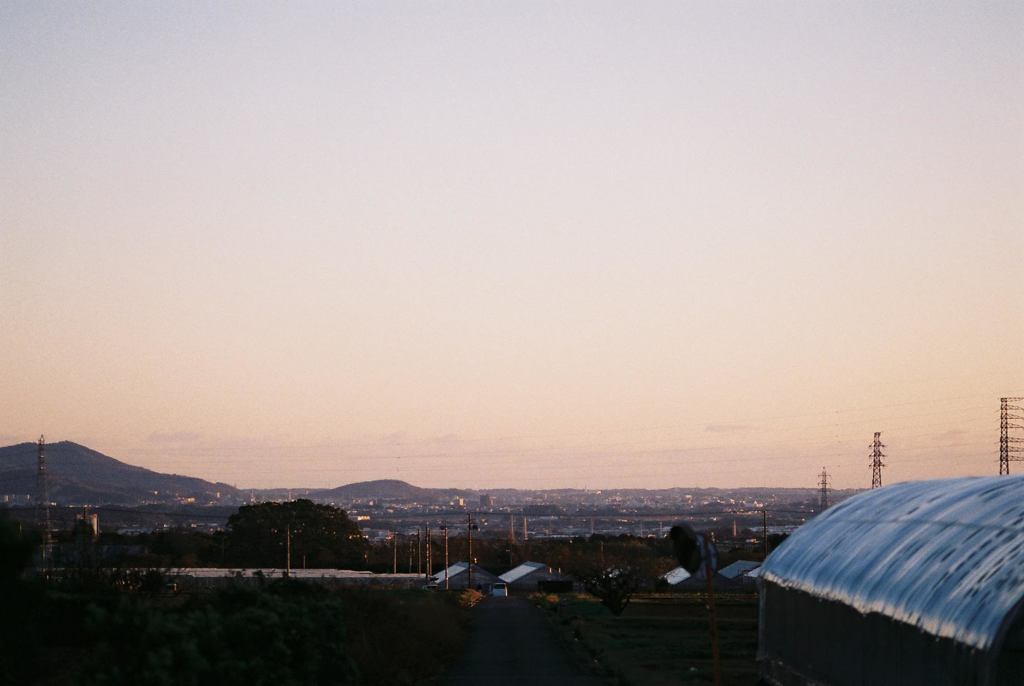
{"type": "Point", "coordinates": [738, 573]}
{"type": "Point", "coordinates": [675, 576]}
{"type": "Point", "coordinates": [530, 575]}
{"type": "Point", "coordinates": [459, 577]}
{"type": "Point", "coordinates": [916, 583]}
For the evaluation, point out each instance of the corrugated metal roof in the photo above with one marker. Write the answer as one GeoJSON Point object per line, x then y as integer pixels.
{"type": "Point", "coordinates": [738, 568]}
{"type": "Point", "coordinates": [274, 573]}
{"type": "Point", "coordinates": [452, 571]}
{"type": "Point", "coordinates": [522, 570]}
{"type": "Point", "coordinates": [946, 556]}
{"type": "Point", "coordinates": [676, 576]}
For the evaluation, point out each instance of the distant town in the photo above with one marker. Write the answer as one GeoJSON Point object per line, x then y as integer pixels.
{"type": "Point", "coordinates": [130, 500]}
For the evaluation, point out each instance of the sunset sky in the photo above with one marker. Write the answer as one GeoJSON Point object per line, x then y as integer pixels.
{"type": "Point", "coordinates": [533, 244]}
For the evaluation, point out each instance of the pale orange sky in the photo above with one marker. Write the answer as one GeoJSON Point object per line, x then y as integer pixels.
{"type": "Point", "coordinates": [516, 244]}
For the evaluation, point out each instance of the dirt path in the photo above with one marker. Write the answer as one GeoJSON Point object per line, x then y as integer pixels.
{"type": "Point", "coordinates": [512, 644]}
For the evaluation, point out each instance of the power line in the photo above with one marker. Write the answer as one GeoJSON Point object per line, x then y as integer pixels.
{"type": "Point", "coordinates": [621, 444]}
{"type": "Point", "coordinates": [632, 429]}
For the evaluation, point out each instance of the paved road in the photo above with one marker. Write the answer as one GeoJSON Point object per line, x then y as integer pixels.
{"type": "Point", "coordinates": [512, 644]}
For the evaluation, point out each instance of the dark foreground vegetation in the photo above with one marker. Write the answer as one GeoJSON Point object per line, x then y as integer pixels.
{"type": "Point", "coordinates": [660, 639]}
{"type": "Point", "coordinates": [130, 627]}
{"type": "Point", "coordinates": [111, 617]}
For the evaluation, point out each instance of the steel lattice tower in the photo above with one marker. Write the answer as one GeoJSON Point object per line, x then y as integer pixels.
{"type": "Point", "coordinates": [824, 486]}
{"type": "Point", "coordinates": [876, 460]}
{"type": "Point", "coordinates": [43, 501]}
{"type": "Point", "coordinates": [1010, 417]}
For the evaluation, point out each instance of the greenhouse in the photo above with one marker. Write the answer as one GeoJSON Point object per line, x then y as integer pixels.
{"type": "Point", "coordinates": [916, 583]}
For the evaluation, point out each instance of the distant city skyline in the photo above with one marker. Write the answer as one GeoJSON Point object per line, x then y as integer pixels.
{"type": "Point", "coordinates": [514, 244]}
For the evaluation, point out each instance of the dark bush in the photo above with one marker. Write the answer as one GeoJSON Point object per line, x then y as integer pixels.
{"type": "Point", "coordinates": [282, 636]}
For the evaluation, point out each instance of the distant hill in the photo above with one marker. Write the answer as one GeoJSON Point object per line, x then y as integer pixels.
{"type": "Point", "coordinates": [81, 476]}
{"type": "Point", "coordinates": [381, 489]}
{"type": "Point", "coordinates": [78, 475]}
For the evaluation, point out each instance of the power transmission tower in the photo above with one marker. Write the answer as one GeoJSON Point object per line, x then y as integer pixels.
{"type": "Point", "coordinates": [823, 495]}
{"type": "Point", "coordinates": [43, 504]}
{"type": "Point", "coordinates": [876, 460]}
{"type": "Point", "coordinates": [1010, 417]}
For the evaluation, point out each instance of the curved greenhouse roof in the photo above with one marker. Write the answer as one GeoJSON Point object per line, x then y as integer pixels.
{"type": "Point", "coordinates": [946, 556]}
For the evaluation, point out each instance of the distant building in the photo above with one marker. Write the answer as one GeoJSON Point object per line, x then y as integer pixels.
{"type": "Point", "coordinates": [486, 502]}
{"type": "Point", "coordinates": [920, 582]}
{"type": "Point", "coordinates": [530, 576]}
{"type": "Point", "coordinates": [739, 572]}
{"type": "Point", "coordinates": [88, 524]}
{"type": "Point", "coordinates": [459, 577]}
{"type": "Point", "coordinates": [676, 576]}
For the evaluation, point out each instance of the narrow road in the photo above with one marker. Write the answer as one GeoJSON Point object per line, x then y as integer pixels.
{"type": "Point", "coordinates": [512, 644]}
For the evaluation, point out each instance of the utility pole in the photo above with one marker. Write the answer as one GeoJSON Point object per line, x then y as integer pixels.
{"type": "Point", "coordinates": [288, 550]}
{"type": "Point", "coordinates": [469, 531]}
{"type": "Point", "coordinates": [712, 619]}
{"type": "Point", "coordinates": [43, 504]}
{"type": "Point", "coordinates": [445, 527]}
{"type": "Point", "coordinates": [1010, 417]}
{"type": "Point", "coordinates": [876, 460]}
{"type": "Point", "coordinates": [511, 529]}
{"type": "Point", "coordinates": [526, 531]}
{"type": "Point", "coordinates": [430, 561]}
{"type": "Point", "coordinates": [394, 548]}
{"type": "Point", "coordinates": [419, 551]}
{"type": "Point", "coordinates": [764, 530]}
{"type": "Point", "coordinates": [823, 495]}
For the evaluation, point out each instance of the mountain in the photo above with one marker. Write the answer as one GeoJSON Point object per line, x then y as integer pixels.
{"type": "Point", "coordinates": [77, 475]}
{"type": "Point", "coordinates": [381, 489]}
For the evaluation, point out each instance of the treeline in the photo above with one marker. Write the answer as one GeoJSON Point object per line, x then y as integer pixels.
{"type": "Point", "coordinates": [120, 627]}
{"type": "Point", "coordinates": [263, 535]}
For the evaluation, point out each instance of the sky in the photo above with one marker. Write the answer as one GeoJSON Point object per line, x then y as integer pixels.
{"type": "Point", "coordinates": [514, 244]}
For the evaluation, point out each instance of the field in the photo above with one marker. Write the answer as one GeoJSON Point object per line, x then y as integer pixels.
{"type": "Point", "coordinates": [660, 638]}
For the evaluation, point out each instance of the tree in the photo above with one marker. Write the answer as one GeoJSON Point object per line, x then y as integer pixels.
{"type": "Point", "coordinates": [321, 536]}
{"type": "Point", "coordinates": [614, 569]}
{"type": "Point", "coordinates": [614, 586]}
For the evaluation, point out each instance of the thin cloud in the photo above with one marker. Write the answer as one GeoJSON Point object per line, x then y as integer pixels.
{"type": "Point", "coordinates": [175, 437]}
{"type": "Point", "coordinates": [729, 428]}
{"type": "Point", "coordinates": [950, 435]}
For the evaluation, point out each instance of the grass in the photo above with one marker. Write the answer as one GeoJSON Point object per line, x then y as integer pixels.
{"type": "Point", "coordinates": [660, 638]}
